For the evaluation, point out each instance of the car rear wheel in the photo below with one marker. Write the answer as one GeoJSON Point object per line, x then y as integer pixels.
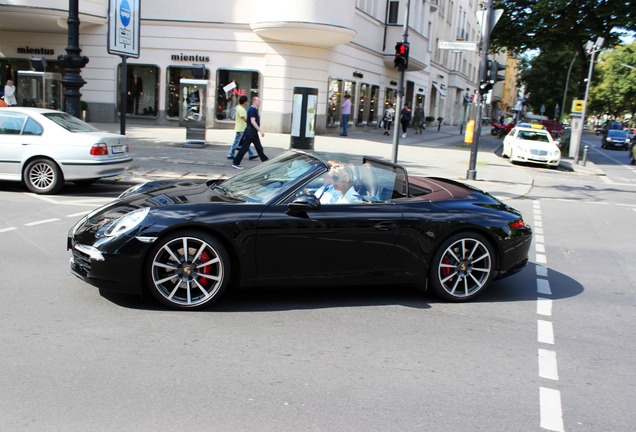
{"type": "Point", "coordinates": [43, 176]}
{"type": "Point", "coordinates": [462, 267]}
{"type": "Point", "coordinates": [188, 270]}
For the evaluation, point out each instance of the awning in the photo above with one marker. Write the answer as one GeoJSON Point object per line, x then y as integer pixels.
{"type": "Point", "coordinates": [439, 90]}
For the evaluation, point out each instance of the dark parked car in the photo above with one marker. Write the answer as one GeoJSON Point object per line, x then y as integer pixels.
{"type": "Point", "coordinates": [185, 242]}
{"type": "Point", "coordinates": [615, 138]}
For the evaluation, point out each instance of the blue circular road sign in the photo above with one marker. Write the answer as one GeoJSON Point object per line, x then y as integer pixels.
{"type": "Point", "coordinates": [124, 13]}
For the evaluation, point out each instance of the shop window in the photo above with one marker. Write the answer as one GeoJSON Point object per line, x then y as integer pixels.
{"type": "Point", "coordinates": [363, 104]}
{"type": "Point", "coordinates": [142, 90]}
{"type": "Point", "coordinates": [372, 119]}
{"type": "Point", "coordinates": [173, 76]}
{"type": "Point", "coordinates": [390, 97]}
{"type": "Point", "coordinates": [231, 85]}
{"type": "Point", "coordinates": [350, 89]}
{"type": "Point", "coordinates": [334, 103]}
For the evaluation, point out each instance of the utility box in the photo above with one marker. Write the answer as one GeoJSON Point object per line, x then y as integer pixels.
{"type": "Point", "coordinates": [39, 89]}
{"type": "Point", "coordinates": [192, 110]}
{"type": "Point", "coordinates": [303, 124]}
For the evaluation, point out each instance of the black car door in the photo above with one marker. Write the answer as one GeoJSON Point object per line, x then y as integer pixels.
{"type": "Point", "coordinates": [335, 240]}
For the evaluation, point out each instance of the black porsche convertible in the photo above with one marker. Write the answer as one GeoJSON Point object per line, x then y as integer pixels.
{"type": "Point", "coordinates": [284, 223]}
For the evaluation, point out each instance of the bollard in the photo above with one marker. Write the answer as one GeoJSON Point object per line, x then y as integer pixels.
{"type": "Point", "coordinates": [585, 149]}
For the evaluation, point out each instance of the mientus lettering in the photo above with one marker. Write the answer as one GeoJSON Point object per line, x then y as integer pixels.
{"type": "Point", "coordinates": [189, 58]}
{"type": "Point", "coordinates": [41, 51]}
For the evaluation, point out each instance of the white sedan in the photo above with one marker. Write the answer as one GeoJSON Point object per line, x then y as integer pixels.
{"type": "Point", "coordinates": [524, 144]}
{"type": "Point", "coordinates": [43, 148]}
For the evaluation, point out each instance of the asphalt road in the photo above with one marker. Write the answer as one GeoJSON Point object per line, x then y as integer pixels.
{"type": "Point", "coordinates": [551, 348]}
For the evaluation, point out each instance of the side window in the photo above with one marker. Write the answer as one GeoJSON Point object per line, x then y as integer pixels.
{"type": "Point", "coordinates": [32, 128]}
{"type": "Point", "coordinates": [11, 123]}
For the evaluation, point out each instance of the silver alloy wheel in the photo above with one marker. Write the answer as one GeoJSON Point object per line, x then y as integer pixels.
{"type": "Point", "coordinates": [43, 176]}
{"type": "Point", "coordinates": [188, 272]}
{"type": "Point", "coordinates": [464, 268]}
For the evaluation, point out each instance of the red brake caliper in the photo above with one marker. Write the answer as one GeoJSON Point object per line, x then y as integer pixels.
{"type": "Point", "coordinates": [446, 271]}
{"type": "Point", "coordinates": [207, 269]}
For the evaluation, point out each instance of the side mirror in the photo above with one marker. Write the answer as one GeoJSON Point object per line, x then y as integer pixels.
{"type": "Point", "coordinates": [304, 203]}
{"type": "Point", "coordinates": [558, 143]}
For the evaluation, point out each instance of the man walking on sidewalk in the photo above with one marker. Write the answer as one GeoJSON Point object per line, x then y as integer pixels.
{"type": "Point", "coordinates": [250, 136]}
{"type": "Point", "coordinates": [346, 111]}
{"type": "Point", "coordinates": [240, 123]}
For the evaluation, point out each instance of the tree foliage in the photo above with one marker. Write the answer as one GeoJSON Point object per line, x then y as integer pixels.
{"type": "Point", "coordinates": [560, 24]}
{"type": "Point", "coordinates": [613, 92]}
{"type": "Point", "coordinates": [545, 77]}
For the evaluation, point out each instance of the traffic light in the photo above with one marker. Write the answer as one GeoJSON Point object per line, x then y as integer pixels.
{"type": "Point", "coordinates": [494, 72]}
{"type": "Point", "coordinates": [485, 84]}
{"type": "Point", "coordinates": [401, 61]}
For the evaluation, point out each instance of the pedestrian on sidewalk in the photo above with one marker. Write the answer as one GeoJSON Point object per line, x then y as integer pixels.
{"type": "Point", "coordinates": [9, 93]}
{"type": "Point", "coordinates": [250, 136]}
{"type": "Point", "coordinates": [389, 114]}
{"type": "Point", "coordinates": [405, 118]}
{"type": "Point", "coordinates": [346, 111]}
{"type": "Point", "coordinates": [240, 123]}
{"type": "Point", "coordinates": [418, 119]}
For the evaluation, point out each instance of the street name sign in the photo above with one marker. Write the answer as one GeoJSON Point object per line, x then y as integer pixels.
{"type": "Point", "coordinates": [123, 27]}
{"type": "Point", "coordinates": [454, 45]}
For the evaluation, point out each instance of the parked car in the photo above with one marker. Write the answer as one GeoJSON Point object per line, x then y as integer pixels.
{"type": "Point", "coordinates": [532, 145]}
{"type": "Point", "coordinates": [185, 242]}
{"type": "Point", "coordinates": [615, 138]}
{"type": "Point", "coordinates": [43, 148]}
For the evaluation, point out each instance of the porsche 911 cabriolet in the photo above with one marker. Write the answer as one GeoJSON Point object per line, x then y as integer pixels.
{"type": "Point", "coordinates": [299, 219]}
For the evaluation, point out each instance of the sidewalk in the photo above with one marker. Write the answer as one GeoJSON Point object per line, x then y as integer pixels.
{"type": "Point", "coordinates": [158, 152]}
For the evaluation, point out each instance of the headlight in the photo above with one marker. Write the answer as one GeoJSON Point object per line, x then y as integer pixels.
{"type": "Point", "coordinates": [126, 223]}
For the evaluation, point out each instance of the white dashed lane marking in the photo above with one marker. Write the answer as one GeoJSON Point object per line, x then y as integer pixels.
{"type": "Point", "coordinates": [549, 399]}
{"type": "Point", "coordinates": [40, 222]}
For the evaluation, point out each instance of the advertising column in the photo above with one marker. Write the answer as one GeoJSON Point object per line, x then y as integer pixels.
{"type": "Point", "coordinates": [303, 125]}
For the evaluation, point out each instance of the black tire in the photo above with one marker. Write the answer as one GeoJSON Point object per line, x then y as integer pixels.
{"type": "Point", "coordinates": [494, 132]}
{"type": "Point", "coordinates": [182, 280]}
{"type": "Point", "coordinates": [462, 267]}
{"type": "Point", "coordinates": [43, 176]}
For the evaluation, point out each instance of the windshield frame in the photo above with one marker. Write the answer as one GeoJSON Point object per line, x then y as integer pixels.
{"type": "Point", "coordinates": [258, 185]}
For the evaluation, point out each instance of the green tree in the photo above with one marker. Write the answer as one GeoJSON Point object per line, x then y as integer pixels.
{"type": "Point", "coordinates": [561, 25]}
{"type": "Point", "coordinates": [544, 77]}
{"type": "Point", "coordinates": [613, 92]}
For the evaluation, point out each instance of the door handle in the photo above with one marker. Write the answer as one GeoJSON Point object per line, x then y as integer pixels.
{"type": "Point", "coordinates": [385, 226]}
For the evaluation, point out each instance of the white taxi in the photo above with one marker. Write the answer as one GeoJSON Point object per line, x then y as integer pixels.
{"type": "Point", "coordinates": [527, 144]}
{"type": "Point", "coordinates": [43, 148]}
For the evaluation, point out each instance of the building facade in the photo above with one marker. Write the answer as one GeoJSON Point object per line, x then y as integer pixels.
{"type": "Point", "coordinates": [265, 48]}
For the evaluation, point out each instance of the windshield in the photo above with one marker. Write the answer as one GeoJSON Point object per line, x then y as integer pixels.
{"type": "Point", "coordinates": [263, 182]}
{"type": "Point", "coordinates": [617, 134]}
{"type": "Point", "coordinates": [534, 136]}
{"type": "Point", "coordinates": [70, 123]}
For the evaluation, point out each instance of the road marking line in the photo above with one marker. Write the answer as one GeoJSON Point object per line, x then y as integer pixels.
{"type": "Point", "coordinates": [545, 332]}
{"type": "Point", "coordinates": [551, 415]}
{"type": "Point", "coordinates": [538, 230]}
{"type": "Point", "coordinates": [543, 287]}
{"type": "Point", "coordinates": [41, 222]}
{"type": "Point", "coordinates": [540, 259]}
{"type": "Point", "coordinates": [77, 214]}
{"type": "Point", "coordinates": [544, 306]}
{"type": "Point", "coordinates": [539, 247]}
{"type": "Point", "coordinates": [539, 238]}
{"type": "Point", "coordinates": [542, 271]}
{"type": "Point", "coordinates": [548, 365]}
{"type": "Point", "coordinates": [2, 230]}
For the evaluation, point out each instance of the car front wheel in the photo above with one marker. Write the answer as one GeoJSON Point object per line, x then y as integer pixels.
{"type": "Point", "coordinates": [43, 176]}
{"type": "Point", "coordinates": [462, 267]}
{"type": "Point", "coordinates": [188, 270]}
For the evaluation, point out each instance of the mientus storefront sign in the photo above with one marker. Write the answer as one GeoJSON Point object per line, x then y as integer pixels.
{"type": "Point", "coordinates": [40, 51]}
{"type": "Point", "coordinates": [189, 58]}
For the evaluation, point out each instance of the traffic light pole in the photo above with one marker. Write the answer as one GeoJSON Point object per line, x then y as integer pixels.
{"type": "Point", "coordinates": [400, 99]}
{"type": "Point", "coordinates": [471, 174]}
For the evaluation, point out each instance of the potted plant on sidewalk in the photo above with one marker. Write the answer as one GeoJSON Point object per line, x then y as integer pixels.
{"type": "Point", "coordinates": [429, 121]}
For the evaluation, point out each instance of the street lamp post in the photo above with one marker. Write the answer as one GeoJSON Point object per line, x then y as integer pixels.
{"type": "Point", "coordinates": [592, 48]}
{"type": "Point", "coordinates": [73, 62]}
